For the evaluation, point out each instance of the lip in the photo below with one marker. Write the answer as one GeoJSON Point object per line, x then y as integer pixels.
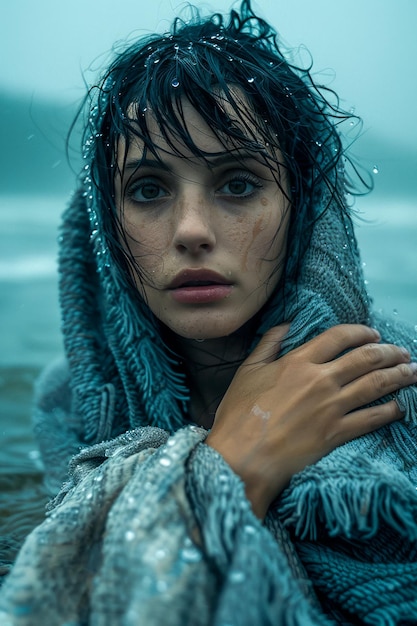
{"type": "Point", "coordinates": [199, 287]}
{"type": "Point", "coordinates": [190, 278]}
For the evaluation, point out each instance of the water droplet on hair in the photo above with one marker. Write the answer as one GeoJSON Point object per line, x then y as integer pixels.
{"type": "Point", "coordinates": [155, 61]}
{"type": "Point", "coordinates": [190, 555]}
{"type": "Point", "coordinates": [375, 169]}
{"type": "Point", "coordinates": [251, 79]}
{"type": "Point", "coordinates": [237, 577]}
{"type": "Point", "coordinates": [175, 83]}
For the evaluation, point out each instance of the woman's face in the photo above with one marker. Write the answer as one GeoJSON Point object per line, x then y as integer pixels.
{"type": "Point", "coordinates": [209, 240]}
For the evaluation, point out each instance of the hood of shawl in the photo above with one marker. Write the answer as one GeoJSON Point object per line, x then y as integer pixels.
{"type": "Point", "coordinates": [330, 287]}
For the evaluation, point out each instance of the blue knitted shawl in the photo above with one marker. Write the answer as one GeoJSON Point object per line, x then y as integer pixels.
{"type": "Point", "coordinates": [348, 523]}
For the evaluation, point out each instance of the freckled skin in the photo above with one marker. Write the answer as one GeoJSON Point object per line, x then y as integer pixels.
{"type": "Point", "coordinates": [195, 222]}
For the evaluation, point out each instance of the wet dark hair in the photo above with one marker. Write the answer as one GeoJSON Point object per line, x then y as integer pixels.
{"type": "Point", "coordinates": [202, 60]}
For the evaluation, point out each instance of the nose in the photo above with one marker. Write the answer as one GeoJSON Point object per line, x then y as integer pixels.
{"type": "Point", "coordinates": [194, 227]}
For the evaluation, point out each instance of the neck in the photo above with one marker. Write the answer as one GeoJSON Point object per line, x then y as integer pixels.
{"type": "Point", "coordinates": [210, 366]}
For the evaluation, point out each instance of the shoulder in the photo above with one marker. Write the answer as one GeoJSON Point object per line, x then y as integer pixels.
{"type": "Point", "coordinates": [52, 388]}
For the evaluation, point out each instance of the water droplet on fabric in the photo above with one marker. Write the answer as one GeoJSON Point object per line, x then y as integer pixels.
{"type": "Point", "coordinates": [161, 586]}
{"type": "Point", "coordinates": [160, 553]}
{"type": "Point", "coordinates": [375, 169]}
{"type": "Point", "coordinates": [129, 535]}
{"type": "Point", "coordinates": [165, 461]}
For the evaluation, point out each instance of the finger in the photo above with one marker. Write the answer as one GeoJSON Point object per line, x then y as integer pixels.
{"type": "Point", "coordinates": [269, 346]}
{"type": "Point", "coordinates": [377, 384]}
{"type": "Point", "coordinates": [367, 358]}
{"type": "Point", "coordinates": [332, 342]}
{"type": "Point", "coordinates": [365, 421]}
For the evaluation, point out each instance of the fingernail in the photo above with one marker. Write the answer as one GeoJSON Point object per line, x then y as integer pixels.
{"type": "Point", "coordinates": [377, 333]}
{"type": "Point", "coordinates": [413, 367]}
{"type": "Point", "coordinates": [405, 352]}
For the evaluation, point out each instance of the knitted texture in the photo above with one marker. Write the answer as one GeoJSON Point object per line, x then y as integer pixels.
{"type": "Point", "coordinates": [127, 516]}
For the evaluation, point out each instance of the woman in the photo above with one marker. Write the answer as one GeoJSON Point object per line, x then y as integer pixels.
{"type": "Point", "coordinates": [244, 459]}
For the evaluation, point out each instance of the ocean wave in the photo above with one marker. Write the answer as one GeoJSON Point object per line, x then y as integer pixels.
{"type": "Point", "coordinates": [22, 268]}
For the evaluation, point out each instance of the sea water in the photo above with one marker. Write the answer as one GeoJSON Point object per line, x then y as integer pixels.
{"type": "Point", "coordinates": [30, 326]}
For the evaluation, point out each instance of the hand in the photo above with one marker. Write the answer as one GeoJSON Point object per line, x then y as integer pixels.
{"type": "Point", "coordinates": [278, 416]}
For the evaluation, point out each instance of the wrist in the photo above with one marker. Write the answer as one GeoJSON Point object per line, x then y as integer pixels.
{"type": "Point", "coordinates": [259, 477]}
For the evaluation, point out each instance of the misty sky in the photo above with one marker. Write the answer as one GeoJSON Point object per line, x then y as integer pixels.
{"type": "Point", "coordinates": [367, 49]}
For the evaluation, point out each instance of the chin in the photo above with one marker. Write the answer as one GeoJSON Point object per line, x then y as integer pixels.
{"type": "Point", "coordinates": [205, 330]}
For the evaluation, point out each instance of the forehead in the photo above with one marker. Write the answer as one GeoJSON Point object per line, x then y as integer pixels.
{"type": "Point", "coordinates": [190, 134]}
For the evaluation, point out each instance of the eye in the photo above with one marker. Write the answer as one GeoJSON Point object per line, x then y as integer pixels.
{"type": "Point", "coordinates": [241, 185]}
{"type": "Point", "coordinates": [143, 191]}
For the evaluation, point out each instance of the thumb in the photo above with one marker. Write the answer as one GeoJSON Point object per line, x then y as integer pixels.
{"type": "Point", "coordinates": [269, 346]}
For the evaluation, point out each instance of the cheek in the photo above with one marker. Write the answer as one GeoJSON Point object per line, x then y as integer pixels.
{"type": "Point", "coordinates": [266, 240]}
{"type": "Point", "coordinates": [144, 239]}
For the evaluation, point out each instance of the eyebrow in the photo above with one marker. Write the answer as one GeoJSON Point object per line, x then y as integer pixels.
{"type": "Point", "coordinates": [215, 161]}
{"type": "Point", "coordinates": [134, 164]}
